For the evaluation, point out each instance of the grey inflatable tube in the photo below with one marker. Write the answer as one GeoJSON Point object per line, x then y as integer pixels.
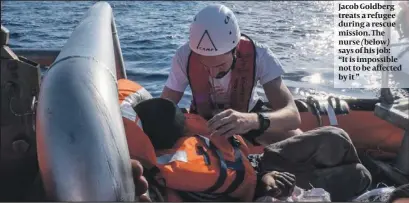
{"type": "Point", "coordinates": [82, 149]}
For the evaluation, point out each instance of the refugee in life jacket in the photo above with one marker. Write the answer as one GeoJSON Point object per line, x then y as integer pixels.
{"type": "Point", "coordinates": [222, 67]}
{"type": "Point", "coordinates": [402, 21]}
{"type": "Point", "coordinates": [160, 127]}
{"type": "Point", "coordinates": [195, 167]}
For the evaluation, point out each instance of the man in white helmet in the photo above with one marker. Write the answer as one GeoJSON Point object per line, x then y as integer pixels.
{"type": "Point", "coordinates": [222, 67]}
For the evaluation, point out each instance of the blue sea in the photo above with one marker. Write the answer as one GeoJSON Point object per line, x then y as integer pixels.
{"type": "Point", "coordinates": [300, 33]}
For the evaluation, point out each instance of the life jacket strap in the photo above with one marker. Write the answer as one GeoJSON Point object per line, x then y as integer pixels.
{"type": "Point", "coordinates": [237, 165]}
{"type": "Point", "coordinates": [223, 166]}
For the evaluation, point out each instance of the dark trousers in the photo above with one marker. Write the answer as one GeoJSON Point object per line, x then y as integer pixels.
{"type": "Point", "coordinates": [322, 158]}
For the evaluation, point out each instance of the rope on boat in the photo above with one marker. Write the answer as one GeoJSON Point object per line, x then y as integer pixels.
{"type": "Point", "coordinates": [11, 90]}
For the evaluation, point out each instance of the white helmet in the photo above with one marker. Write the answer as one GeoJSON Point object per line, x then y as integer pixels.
{"type": "Point", "coordinates": [214, 31]}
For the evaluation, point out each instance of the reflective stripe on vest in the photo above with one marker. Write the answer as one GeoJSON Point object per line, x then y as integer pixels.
{"type": "Point", "coordinates": [177, 156]}
{"type": "Point", "coordinates": [130, 94]}
{"type": "Point", "coordinates": [127, 111]}
{"type": "Point", "coordinates": [241, 83]}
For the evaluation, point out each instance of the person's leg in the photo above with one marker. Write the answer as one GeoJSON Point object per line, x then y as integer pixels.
{"type": "Point", "coordinates": [343, 182]}
{"type": "Point", "coordinates": [317, 153]}
{"type": "Point", "coordinates": [322, 147]}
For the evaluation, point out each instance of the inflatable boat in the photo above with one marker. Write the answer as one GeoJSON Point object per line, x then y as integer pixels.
{"type": "Point", "coordinates": [67, 129]}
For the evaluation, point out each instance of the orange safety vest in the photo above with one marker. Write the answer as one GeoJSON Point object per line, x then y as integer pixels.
{"type": "Point", "coordinates": [131, 91]}
{"type": "Point", "coordinates": [129, 94]}
{"type": "Point", "coordinates": [197, 168]}
{"type": "Point", "coordinates": [241, 85]}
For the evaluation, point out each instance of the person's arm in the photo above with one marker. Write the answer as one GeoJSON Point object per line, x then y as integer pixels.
{"type": "Point", "coordinates": [172, 95]}
{"type": "Point", "coordinates": [177, 80]}
{"type": "Point", "coordinates": [285, 115]}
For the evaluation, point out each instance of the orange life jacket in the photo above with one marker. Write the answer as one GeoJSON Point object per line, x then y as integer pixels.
{"type": "Point", "coordinates": [201, 169]}
{"type": "Point", "coordinates": [129, 94]}
{"type": "Point", "coordinates": [241, 85]}
{"type": "Point", "coordinates": [131, 91]}
{"type": "Point", "coordinates": [197, 168]}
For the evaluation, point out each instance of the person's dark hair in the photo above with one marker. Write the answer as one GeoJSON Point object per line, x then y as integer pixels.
{"type": "Point", "coordinates": [398, 193]}
{"type": "Point", "coordinates": [162, 121]}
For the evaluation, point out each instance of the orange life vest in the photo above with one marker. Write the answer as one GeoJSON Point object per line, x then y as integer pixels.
{"type": "Point", "coordinates": [131, 91]}
{"type": "Point", "coordinates": [201, 169]}
{"type": "Point", "coordinates": [241, 85]}
{"type": "Point", "coordinates": [129, 94]}
{"type": "Point", "coordinates": [197, 168]}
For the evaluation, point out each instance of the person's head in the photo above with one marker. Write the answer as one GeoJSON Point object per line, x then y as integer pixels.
{"type": "Point", "coordinates": [162, 121]}
{"type": "Point", "coordinates": [214, 35]}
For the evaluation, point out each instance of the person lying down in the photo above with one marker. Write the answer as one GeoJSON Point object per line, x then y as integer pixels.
{"type": "Point", "coordinates": [177, 149]}
{"type": "Point", "coordinates": [179, 157]}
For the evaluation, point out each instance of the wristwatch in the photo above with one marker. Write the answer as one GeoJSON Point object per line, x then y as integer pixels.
{"type": "Point", "coordinates": [264, 122]}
